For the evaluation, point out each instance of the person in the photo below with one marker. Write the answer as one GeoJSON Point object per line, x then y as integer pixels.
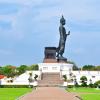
{"type": "Point", "coordinates": [63, 36]}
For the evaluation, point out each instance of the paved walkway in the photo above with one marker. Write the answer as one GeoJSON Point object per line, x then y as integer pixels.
{"type": "Point", "coordinates": [49, 93]}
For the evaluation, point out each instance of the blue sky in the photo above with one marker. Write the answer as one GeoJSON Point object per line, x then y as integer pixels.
{"type": "Point", "coordinates": [27, 26]}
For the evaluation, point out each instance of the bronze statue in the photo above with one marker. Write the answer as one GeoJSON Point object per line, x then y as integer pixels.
{"type": "Point", "coordinates": [63, 36]}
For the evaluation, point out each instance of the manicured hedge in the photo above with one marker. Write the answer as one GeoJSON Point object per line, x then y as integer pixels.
{"type": "Point", "coordinates": [70, 86]}
{"type": "Point", "coordinates": [16, 86]}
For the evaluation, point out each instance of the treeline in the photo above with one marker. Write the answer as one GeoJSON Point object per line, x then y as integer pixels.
{"type": "Point", "coordinates": [11, 71]}
{"type": "Point", "coordinates": [91, 68]}
{"type": "Point", "coordinates": [85, 67]}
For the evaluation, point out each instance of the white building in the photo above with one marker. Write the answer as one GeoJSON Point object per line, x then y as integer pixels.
{"type": "Point", "coordinates": [60, 68]}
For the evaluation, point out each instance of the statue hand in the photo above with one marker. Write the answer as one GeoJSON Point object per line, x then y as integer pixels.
{"type": "Point", "coordinates": [68, 33]}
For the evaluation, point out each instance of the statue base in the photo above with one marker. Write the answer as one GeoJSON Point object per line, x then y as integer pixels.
{"type": "Point", "coordinates": [49, 61]}
{"type": "Point", "coordinates": [62, 59]}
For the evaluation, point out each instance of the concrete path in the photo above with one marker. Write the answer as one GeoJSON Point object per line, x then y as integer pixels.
{"type": "Point", "coordinates": [49, 93]}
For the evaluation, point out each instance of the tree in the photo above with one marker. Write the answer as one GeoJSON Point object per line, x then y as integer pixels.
{"type": "Point", "coordinates": [83, 81]}
{"type": "Point", "coordinates": [75, 67]}
{"type": "Point", "coordinates": [97, 68]}
{"type": "Point", "coordinates": [65, 78]}
{"type": "Point", "coordinates": [35, 77]}
{"type": "Point", "coordinates": [30, 78]}
{"type": "Point", "coordinates": [75, 81]}
{"type": "Point", "coordinates": [22, 69]}
{"type": "Point", "coordinates": [33, 67]}
{"type": "Point", "coordinates": [90, 84]}
{"type": "Point", "coordinates": [9, 70]}
{"type": "Point", "coordinates": [88, 67]}
{"type": "Point", "coordinates": [97, 83]}
{"type": "Point", "coordinates": [1, 71]}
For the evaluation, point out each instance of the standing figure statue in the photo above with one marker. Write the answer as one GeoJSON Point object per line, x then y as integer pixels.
{"type": "Point", "coordinates": [63, 37]}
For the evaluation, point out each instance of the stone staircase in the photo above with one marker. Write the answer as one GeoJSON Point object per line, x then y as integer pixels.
{"type": "Point", "coordinates": [50, 80]}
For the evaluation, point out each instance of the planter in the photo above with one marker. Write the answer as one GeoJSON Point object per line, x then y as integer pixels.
{"type": "Point", "coordinates": [35, 83]}
{"type": "Point", "coordinates": [65, 84]}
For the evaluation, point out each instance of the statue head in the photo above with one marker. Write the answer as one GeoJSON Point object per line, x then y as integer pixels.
{"type": "Point", "coordinates": [62, 20]}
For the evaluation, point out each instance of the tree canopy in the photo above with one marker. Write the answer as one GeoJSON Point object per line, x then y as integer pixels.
{"type": "Point", "coordinates": [11, 71]}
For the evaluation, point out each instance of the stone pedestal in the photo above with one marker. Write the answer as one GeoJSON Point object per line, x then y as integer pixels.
{"type": "Point", "coordinates": [51, 63]}
{"type": "Point", "coordinates": [55, 67]}
{"type": "Point", "coordinates": [50, 55]}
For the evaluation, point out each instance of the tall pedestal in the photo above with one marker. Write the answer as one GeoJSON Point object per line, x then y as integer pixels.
{"type": "Point", "coordinates": [50, 55]}
{"type": "Point", "coordinates": [51, 63]}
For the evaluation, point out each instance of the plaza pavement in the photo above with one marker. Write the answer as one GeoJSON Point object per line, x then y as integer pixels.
{"type": "Point", "coordinates": [49, 93]}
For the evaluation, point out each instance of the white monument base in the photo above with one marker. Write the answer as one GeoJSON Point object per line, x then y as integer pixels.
{"type": "Point", "coordinates": [55, 67]}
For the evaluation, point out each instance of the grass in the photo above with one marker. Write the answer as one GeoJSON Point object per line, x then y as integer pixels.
{"type": "Point", "coordinates": [90, 96]}
{"type": "Point", "coordinates": [12, 93]}
{"type": "Point", "coordinates": [87, 93]}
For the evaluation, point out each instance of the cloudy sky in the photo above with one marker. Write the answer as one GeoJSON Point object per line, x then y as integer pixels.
{"type": "Point", "coordinates": [27, 26]}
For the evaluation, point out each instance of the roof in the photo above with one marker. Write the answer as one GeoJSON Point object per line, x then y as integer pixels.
{"type": "Point", "coordinates": [2, 76]}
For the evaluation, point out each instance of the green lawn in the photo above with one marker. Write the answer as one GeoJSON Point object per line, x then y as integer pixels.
{"type": "Point", "coordinates": [87, 93]}
{"type": "Point", "coordinates": [90, 96]}
{"type": "Point", "coordinates": [12, 93]}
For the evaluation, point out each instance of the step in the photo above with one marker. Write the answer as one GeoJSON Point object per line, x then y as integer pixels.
{"type": "Point", "coordinates": [50, 79]}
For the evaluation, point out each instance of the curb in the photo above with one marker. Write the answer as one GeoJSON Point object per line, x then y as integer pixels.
{"type": "Point", "coordinates": [79, 97]}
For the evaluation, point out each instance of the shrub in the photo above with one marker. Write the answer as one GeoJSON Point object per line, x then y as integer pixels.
{"type": "Point", "coordinates": [91, 85]}
{"type": "Point", "coordinates": [65, 78]}
{"type": "Point", "coordinates": [83, 81]}
{"type": "Point", "coordinates": [70, 86]}
{"type": "Point", "coordinates": [96, 83]}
